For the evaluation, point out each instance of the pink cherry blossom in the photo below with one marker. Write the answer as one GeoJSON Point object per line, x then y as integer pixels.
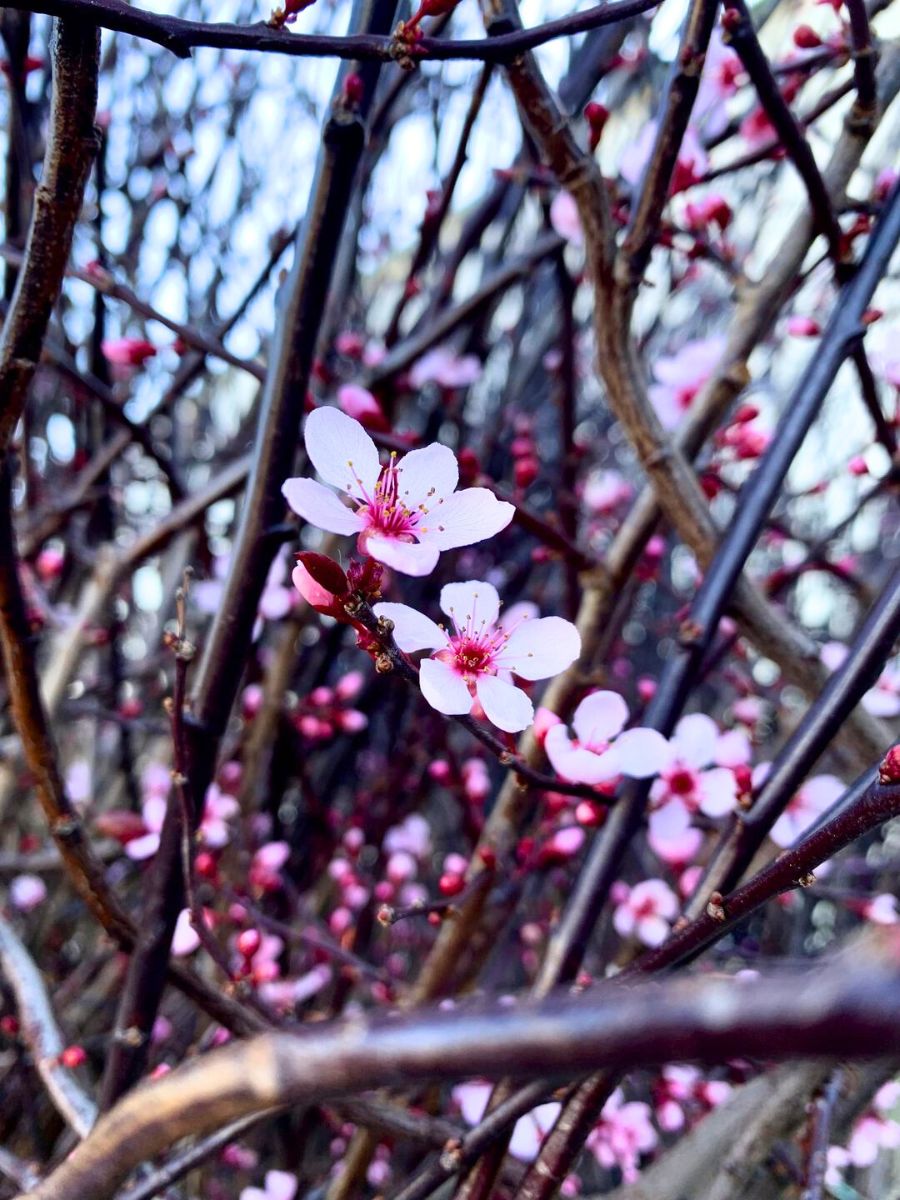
{"type": "Point", "coordinates": [27, 892]}
{"type": "Point", "coordinates": [690, 783]}
{"type": "Point", "coordinates": [881, 909]}
{"type": "Point", "coordinates": [805, 807]}
{"type": "Point", "coordinates": [185, 939]}
{"type": "Point", "coordinates": [446, 368]}
{"type": "Point", "coordinates": [279, 1185]}
{"type": "Point", "coordinates": [644, 911]}
{"type": "Point", "coordinates": [600, 750]}
{"type": "Point", "coordinates": [404, 514]}
{"type": "Point", "coordinates": [624, 1132]}
{"type": "Point", "coordinates": [680, 376]}
{"type": "Point", "coordinates": [478, 658]}
{"type": "Point", "coordinates": [718, 83]}
{"type": "Point", "coordinates": [529, 1131]}
{"type": "Point", "coordinates": [565, 219]}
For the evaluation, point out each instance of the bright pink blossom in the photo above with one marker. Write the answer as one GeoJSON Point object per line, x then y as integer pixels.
{"type": "Point", "coordinates": [691, 165]}
{"type": "Point", "coordinates": [359, 403]}
{"type": "Point", "coordinates": [600, 750]}
{"type": "Point", "coordinates": [680, 376]}
{"type": "Point", "coordinates": [645, 911]}
{"type": "Point", "coordinates": [805, 807]}
{"type": "Point", "coordinates": [690, 783]}
{"type": "Point", "coordinates": [404, 514]}
{"type": "Point", "coordinates": [478, 658]}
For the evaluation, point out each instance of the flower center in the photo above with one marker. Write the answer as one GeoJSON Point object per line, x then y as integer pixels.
{"type": "Point", "coordinates": [386, 514]}
{"type": "Point", "coordinates": [474, 655]}
{"type": "Point", "coordinates": [681, 782]}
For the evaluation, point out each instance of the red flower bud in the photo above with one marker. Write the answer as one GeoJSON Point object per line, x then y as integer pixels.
{"type": "Point", "coordinates": [73, 1056]}
{"type": "Point", "coordinates": [806, 38]}
{"type": "Point", "coordinates": [889, 771]}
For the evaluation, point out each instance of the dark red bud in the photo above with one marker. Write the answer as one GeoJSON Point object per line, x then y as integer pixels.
{"type": "Point", "coordinates": [325, 572]}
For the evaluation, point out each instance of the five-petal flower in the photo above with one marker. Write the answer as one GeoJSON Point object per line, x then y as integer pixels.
{"type": "Point", "coordinates": [404, 513]}
{"type": "Point", "coordinates": [600, 750]}
{"type": "Point", "coordinates": [476, 660]}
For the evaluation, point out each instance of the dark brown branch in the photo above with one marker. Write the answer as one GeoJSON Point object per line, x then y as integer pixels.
{"type": "Point", "coordinates": [71, 147]}
{"type": "Point", "coordinates": [181, 37]}
{"type": "Point", "coordinates": [829, 1012]}
{"type": "Point", "coordinates": [741, 35]}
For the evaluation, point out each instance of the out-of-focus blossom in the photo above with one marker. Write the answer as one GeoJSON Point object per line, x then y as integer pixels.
{"type": "Point", "coordinates": [267, 864]}
{"type": "Point", "coordinates": [359, 403]}
{"type": "Point", "coordinates": [692, 163]}
{"type": "Point", "coordinates": [127, 351]}
{"type": "Point", "coordinates": [680, 376]}
{"type": "Point", "coordinates": [604, 491]}
{"type": "Point", "coordinates": [805, 807]}
{"type": "Point", "coordinates": [529, 1131]}
{"type": "Point", "coordinates": [682, 1089]}
{"type": "Point", "coordinates": [405, 513]}
{"type": "Point", "coordinates": [27, 892]}
{"type": "Point", "coordinates": [478, 658]}
{"type": "Point", "coordinates": [883, 699]}
{"type": "Point", "coordinates": [446, 368]}
{"type": "Point", "coordinates": [275, 601]}
{"type": "Point", "coordinates": [881, 909]}
{"type": "Point", "coordinates": [624, 1133]}
{"type": "Point", "coordinates": [645, 911]}
{"type": "Point", "coordinates": [691, 783]}
{"type": "Point", "coordinates": [279, 1185]}
{"type": "Point", "coordinates": [718, 83]}
{"type": "Point", "coordinates": [600, 750]}
{"type": "Point", "coordinates": [565, 219]}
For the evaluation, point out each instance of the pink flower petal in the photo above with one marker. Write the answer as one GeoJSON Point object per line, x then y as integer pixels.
{"type": "Point", "coordinates": [881, 703]}
{"type": "Point", "coordinates": [185, 939]}
{"type": "Point", "coordinates": [320, 506]}
{"type": "Point", "coordinates": [410, 558]}
{"type": "Point", "coordinates": [474, 603]}
{"type": "Point", "coordinates": [695, 739]}
{"type": "Point", "coordinates": [652, 930]}
{"type": "Point", "coordinates": [505, 705]}
{"type": "Point", "coordinates": [464, 518]}
{"type": "Point", "coordinates": [541, 648]}
{"type": "Point", "coordinates": [599, 717]}
{"type": "Point", "coordinates": [444, 689]}
{"type": "Point", "coordinates": [427, 476]}
{"type": "Point", "coordinates": [342, 452]}
{"type": "Point", "coordinates": [142, 848]}
{"type": "Point", "coordinates": [472, 1099]}
{"type": "Point", "coordinates": [640, 753]}
{"type": "Point", "coordinates": [733, 749]}
{"type": "Point", "coordinates": [412, 630]}
{"type": "Point", "coordinates": [718, 792]}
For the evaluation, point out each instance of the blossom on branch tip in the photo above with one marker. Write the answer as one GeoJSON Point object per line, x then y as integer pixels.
{"type": "Point", "coordinates": [476, 660]}
{"type": "Point", "coordinates": [405, 513]}
{"type": "Point", "coordinates": [644, 911]}
{"type": "Point", "coordinates": [600, 751]}
{"type": "Point", "coordinates": [691, 783]}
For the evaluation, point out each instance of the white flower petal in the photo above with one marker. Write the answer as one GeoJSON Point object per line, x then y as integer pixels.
{"type": "Point", "coordinates": [541, 648]}
{"type": "Point", "coordinates": [524, 610]}
{"type": "Point", "coordinates": [695, 740]}
{"type": "Point", "coordinates": [473, 604]}
{"type": "Point", "coordinates": [320, 506]}
{"type": "Point", "coordinates": [505, 705]}
{"type": "Point", "coordinates": [410, 558]}
{"type": "Point", "coordinates": [574, 762]}
{"type": "Point", "coordinates": [427, 476]}
{"type": "Point", "coordinates": [412, 630]}
{"type": "Point", "coordinates": [342, 452]}
{"type": "Point", "coordinates": [464, 518]}
{"type": "Point", "coordinates": [718, 792]}
{"type": "Point", "coordinates": [444, 689]}
{"type": "Point", "coordinates": [639, 753]}
{"type": "Point", "coordinates": [599, 717]}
